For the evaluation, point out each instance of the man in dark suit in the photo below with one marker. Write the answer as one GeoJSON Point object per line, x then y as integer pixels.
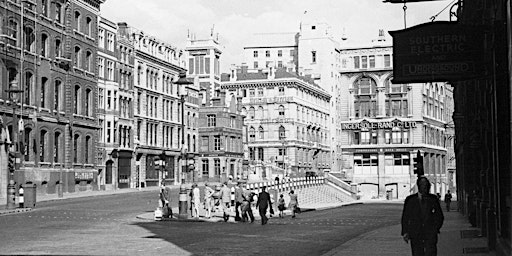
{"type": "Point", "coordinates": [165, 196]}
{"type": "Point", "coordinates": [264, 203]}
{"type": "Point", "coordinates": [422, 219]}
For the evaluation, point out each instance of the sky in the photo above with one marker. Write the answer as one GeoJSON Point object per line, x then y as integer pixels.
{"type": "Point", "coordinates": [236, 20]}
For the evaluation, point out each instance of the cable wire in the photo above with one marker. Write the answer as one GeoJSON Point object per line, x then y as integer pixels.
{"type": "Point", "coordinates": [435, 16]}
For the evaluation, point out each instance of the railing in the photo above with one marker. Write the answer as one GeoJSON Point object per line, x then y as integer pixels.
{"type": "Point", "coordinates": [287, 185]}
{"type": "Point", "coordinates": [340, 183]}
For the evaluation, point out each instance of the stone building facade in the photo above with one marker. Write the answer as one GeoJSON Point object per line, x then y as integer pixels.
{"type": "Point", "coordinates": [158, 109]}
{"type": "Point", "coordinates": [287, 122]}
{"type": "Point", "coordinates": [385, 124]}
{"type": "Point", "coordinates": [48, 50]}
{"type": "Point", "coordinates": [220, 122]}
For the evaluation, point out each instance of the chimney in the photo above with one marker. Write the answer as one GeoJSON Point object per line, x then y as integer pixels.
{"type": "Point", "coordinates": [381, 37]}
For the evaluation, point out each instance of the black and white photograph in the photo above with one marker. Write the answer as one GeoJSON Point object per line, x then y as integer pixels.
{"type": "Point", "coordinates": [256, 127]}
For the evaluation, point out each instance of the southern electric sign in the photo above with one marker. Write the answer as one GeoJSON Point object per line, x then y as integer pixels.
{"type": "Point", "coordinates": [436, 51]}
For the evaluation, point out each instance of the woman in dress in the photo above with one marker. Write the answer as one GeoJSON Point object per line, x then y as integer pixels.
{"type": "Point", "coordinates": [196, 200]}
{"type": "Point", "coordinates": [294, 203]}
{"type": "Point", "coordinates": [208, 200]}
{"type": "Point", "coordinates": [280, 206]}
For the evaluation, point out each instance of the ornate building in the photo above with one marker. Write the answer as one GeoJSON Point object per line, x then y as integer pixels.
{"type": "Point", "coordinates": [220, 121]}
{"type": "Point", "coordinates": [312, 51]}
{"type": "Point", "coordinates": [48, 49]}
{"type": "Point", "coordinates": [385, 124]}
{"type": "Point", "coordinates": [158, 110]}
{"type": "Point", "coordinates": [287, 120]}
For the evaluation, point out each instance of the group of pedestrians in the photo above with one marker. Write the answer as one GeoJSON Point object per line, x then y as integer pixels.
{"type": "Point", "coordinates": [244, 199]}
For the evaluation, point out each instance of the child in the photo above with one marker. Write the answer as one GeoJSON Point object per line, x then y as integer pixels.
{"type": "Point", "coordinates": [280, 206]}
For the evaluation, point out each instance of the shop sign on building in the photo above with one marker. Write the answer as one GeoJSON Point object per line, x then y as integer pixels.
{"type": "Point", "coordinates": [367, 125]}
{"type": "Point", "coordinates": [437, 52]}
{"type": "Point", "coordinates": [84, 176]}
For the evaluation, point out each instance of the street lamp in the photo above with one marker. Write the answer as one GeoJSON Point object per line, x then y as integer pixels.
{"type": "Point", "coordinates": [182, 82]}
{"type": "Point", "coordinates": [11, 189]}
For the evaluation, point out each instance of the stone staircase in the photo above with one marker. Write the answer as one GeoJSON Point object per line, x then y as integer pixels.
{"type": "Point", "coordinates": [320, 196]}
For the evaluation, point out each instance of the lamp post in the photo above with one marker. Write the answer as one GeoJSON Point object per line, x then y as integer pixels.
{"type": "Point", "coordinates": [11, 189]}
{"type": "Point", "coordinates": [183, 82]}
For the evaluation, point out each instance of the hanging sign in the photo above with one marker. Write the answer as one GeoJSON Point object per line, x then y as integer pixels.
{"type": "Point", "coordinates": [437, 52]}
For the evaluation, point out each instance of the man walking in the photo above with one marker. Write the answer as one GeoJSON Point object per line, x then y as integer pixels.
{"type": "Point", "coordinates": [225, 200]}
{"type": "Point", "coordinates": [165, 197]}
{"type": "Point", "coordinates": [239, 199]}
{"type": "Point", "coordinates": [246, 205]}
{"type": "Point", "coordinates": [448, 200]}
{"type": "Point", "coordinates": [264, 203]}
{"type": "Point", "coordinates": [422, 219]}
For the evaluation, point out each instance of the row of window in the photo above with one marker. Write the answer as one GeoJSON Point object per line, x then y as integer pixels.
{"type": "Point", "coordinates": [218, 143]}
{"type": "Point", "coordinates": [304, 134]}
{"type": "Point", "coordinates": [394, 164]}
{"type": "Point", "coordinates": [279, 53]}
{"type": "Point", "coordinates": [303, 113]}
{"type": "Point", "coordinates": [369, 61]}
{"type": "Point", "coordinates": [51, 147]}
{"type": "Point", "coordinates": [110, 41]}
{"type": "Point", "coordinates": [393, 136]}
{"type": "Point", "coordinates": [303, 155]}
{"type": "Point", "coordinates": [153, 78]}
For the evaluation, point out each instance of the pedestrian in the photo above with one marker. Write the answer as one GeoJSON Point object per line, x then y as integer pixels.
{"type": "Point", "coordinates": [165, 197]}
{"type": "Point", "coordinates": [448, 200]}
{"type": "Point", "coordinates": [208, 200]}
{"type": "Point", "coordinates": [263, 204]}
{"type": "Point", "coordinates": [293, 205]}
{"type": "Point", "coordinates": [239, 199]}
{"type": "Point", "coordinates": [248, 197]}
{"type": "Point", "coordinates": [280, 206]}
{"type": "Point", "coordinates": [225, 198]}
{"type": "Point", "coordinates": [422, 218]}
{"type": "Point", "coordinates": [196, 200]}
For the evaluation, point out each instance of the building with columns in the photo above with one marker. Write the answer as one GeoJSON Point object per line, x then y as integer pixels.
{"type": "Point", "coordinates": [312, 51]}
{"type": "Point", "coordinates": [220, 123]}
{"type": "Point", "coordinates": [158, 111]}
{"type": "Point", "coordinates": [385, 124]}
{"type": "Point", "coordinates": [287, 122]}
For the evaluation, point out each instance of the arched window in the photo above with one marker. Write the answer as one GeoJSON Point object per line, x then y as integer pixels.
{"type": "Point", "coordinates": [56, 99]}
{"type": "Point", "coordinates": [88, 26]}
{"type": "Point", "coordinates": [76, 144]}
{"type": "Point", "coordinates": [281, 110]}
{"type": "Point", "coordinates": [77, 99]}
{"type": "Point", "coordinates": [58, 50]}
{"type": "Point", "coordinates": [42, 145]}
{"type": "Point", "coordinates": [44, 45]}
{"type": "Point", "coordinates": [77, 21]}
{"type": "Point", "coordinates": [365, 103]}
{"type": "Point", "coordinates": [44, 85]}
{"type": "Point", "coordinates": [252, 135]}
{"type": "Point", "coordinates": [88, 61]}
{"type": "Point", "coordinates": [29, 88]}
{"type": "Point", "coordinates": [56, 147]}
{"type": "Point", "coordinates": [12, 29]}
{"type": "Point", "coordinates": [282, 133]}
{"type": "Point", "coordinates": [27, 147]}
{"type": "Point", "coordinates": [58, 13]}
{"type": "Point", "coordinates": [261, 112]}
{"type": "Point", "coordinates": [78, 57]}
{"type": "Point", "coordinates": [87, 148]}
{"type": "Point", "coordinates": [261, 133]}
{"type": "Point", "coordinates": [88, 102]}
{"type": "Point", "coordinates": [28, 34]}
{"type": "Point", "coordinates": [251, 113]}
{"type": "Point", "coordinates": [44, 7]}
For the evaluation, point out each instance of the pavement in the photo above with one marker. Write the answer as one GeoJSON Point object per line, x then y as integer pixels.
{"type": "Point", "coordinates": [457, 237]}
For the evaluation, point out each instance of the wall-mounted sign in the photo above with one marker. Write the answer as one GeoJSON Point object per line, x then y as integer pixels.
{"type": "Point", "coordinates": [367, 125]}
{"type": "Point", "coordinates": [282, 99]}
{"type": "Point", "coordinates": [437, 52]}
{"type": "Point", "coordinates": [84, 176]}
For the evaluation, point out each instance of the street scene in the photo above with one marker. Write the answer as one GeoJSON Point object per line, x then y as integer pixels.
{"type": "Point", "coordinates": [255, 127]}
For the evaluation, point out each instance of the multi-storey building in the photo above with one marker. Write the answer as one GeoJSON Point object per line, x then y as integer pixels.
{"type": "Point", "coordinates": [48, 51]}
{"type": "Point", "coordinates": [313, 51]}
{"type": "Point", "coordinates": [115, 108]}
{"type": "Point", "coordinates": [220, 121]}
{"type": "Point", "coordinates": [287, 118]}
{"type": "Point", "coordinates": [158, 109]}
{"type": "Point", "coordinates": [385, 124]}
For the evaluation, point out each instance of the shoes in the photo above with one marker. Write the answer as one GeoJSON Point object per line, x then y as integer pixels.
{"type": "Point", "coordinates": [293, 216]}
